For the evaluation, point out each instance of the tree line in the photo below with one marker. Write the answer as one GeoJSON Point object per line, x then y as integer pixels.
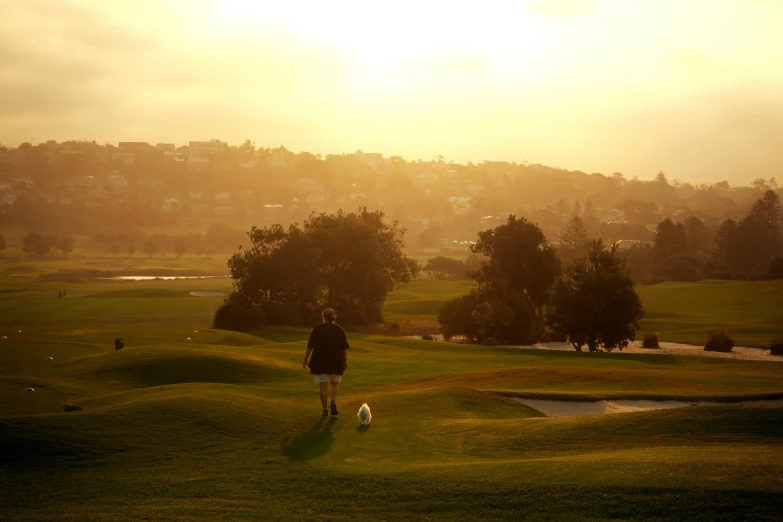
{"type": "Point", "coordinates": [46, 244]}
{"type": "Point", "coordinates": [523, 289]}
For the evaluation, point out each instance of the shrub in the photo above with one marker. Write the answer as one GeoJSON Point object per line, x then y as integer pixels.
{"type": "Point", "coordinates": [427, 337]}
{"type": "Point", "coordinates": [238, 317]}
{"type": "Point", "coordinates": [650, 340]}
{"type": "Point", "coordinates": [719, 341]}
{"type": "Point", "coordinates": [777, 346]}
{"type": "Point", "coordinates": [72, 407]}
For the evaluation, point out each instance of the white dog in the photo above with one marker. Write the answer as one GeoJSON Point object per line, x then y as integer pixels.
{"type": "Point", "coordinates": [364, 415]}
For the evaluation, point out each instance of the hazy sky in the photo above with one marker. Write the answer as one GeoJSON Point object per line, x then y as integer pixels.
{"type": "Point", "coordinates": [690, 87]}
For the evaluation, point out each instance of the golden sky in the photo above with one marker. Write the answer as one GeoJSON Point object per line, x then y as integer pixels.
{"type": "Point", "coordinates": [690, 87]}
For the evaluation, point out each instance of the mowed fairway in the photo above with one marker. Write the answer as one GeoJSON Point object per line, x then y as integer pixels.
{"type": "Point", "coordinates": [752, 311]}
{"type": "Point", "coordinates": [189, 423]}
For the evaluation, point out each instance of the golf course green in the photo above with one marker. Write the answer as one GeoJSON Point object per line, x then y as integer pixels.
{"type": "Point", "coordinates": [191, 423]}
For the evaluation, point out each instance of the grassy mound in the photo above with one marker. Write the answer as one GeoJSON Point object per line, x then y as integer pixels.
{"type": "Point", "coordinates": [163, 365]}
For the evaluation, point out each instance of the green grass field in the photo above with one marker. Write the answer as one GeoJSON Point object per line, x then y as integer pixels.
{"type": "Point", "coordinates": [190, 423]}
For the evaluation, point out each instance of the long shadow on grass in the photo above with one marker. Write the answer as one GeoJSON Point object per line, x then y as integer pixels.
{"type": "Point", "coordinates": [315, 443]}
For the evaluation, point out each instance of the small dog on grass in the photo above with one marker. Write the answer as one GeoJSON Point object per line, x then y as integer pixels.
{"type": "Point", "coordinates": [364, 415]}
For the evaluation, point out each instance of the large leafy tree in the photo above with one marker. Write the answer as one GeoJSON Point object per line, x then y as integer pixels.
{"type": "Point", "coordinates": [519, 259]}
{"type": "Point", "coordinates": [595, 303]}
{"type": "Point", "coordinates": [670, 239]}
{"type": "Point", "coordinates": [347, 261]}
{"type": "Point", "coordinates": [515, 274]}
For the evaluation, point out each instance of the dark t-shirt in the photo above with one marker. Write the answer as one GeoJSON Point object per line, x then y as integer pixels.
{"type": "Point", "coordinates": [327, 341]}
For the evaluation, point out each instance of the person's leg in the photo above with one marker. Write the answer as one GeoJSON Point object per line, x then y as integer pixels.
{"type": "Point", "coordinates": [333, 406]}
{"type": "Point", "coordinates": [323, 389]}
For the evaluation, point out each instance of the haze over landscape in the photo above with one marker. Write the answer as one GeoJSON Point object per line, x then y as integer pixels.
{"type": "Point", "coordinates": [391, 261]}
{"type": "Point", "coordinates": [692, 88]}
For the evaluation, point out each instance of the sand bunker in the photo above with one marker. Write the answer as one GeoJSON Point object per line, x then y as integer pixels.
{"type": "Point", "coordinates": [199, 293]}
{"type": "Point", "coordinates": [584, 409]}
{"type": "Point", "coordinates": [738, 352]}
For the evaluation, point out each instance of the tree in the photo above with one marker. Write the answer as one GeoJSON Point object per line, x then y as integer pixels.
{"type": "Point", "coordinates": [114, 249]}
{"type": "Point", "coordinates": [747, 247]}
{"type": "Point", "coordinates": [595, 303]}
{"type": "Point", "coordinates": [446, 268]}
{"type": "Point", "coordinates": [131, 250]}
{"type": "Point", "coordinates": [64, 244]}
{"type": "Point", "coordinates": [2, 243]}
{"type": "Point", "coordinates": [518, 258]}
{"type": "Point", "coordinates": [360, 260]}
{"type": "Point", "coordinates": [150, 248]}
{"type": "Point", "coordinates": [38, 244]}
{"type": "Point", "coordinates": [515, 274]}
{"type": "Point", "coordinates": [574, 239]}
{"type": "Point", "coordinates": [347, 261]}
{"type": "Point", "coordinates": [766, 213]}
{"type": "Point", "coordinates": [720, 253]}
{"type": "Point", "coordinates": [179, 248]}
{"type": "Point", "coordinates": [697, 238]}
{"type": "Point", "coordinates": [670, 239]}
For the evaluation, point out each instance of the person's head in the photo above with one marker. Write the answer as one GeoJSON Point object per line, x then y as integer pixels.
{"type": "Point", "coordinates": [329, 315]}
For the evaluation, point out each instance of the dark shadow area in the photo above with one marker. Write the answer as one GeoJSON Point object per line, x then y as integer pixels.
{"type": "Point", "coordinates": [315, 443]}
{"type": "Point", "coordinates": [362, 429]}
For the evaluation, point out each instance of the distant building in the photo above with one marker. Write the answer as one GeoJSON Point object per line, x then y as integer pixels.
{"type": "Point", "coordinates": [200, 151]}
{"type": "Point", "coordinates": [133, 146]}
{"type": "Point", "coordinates": [172, 206]}
{"type": "Point", "coordinates": [126, 158]}
{"type": "Point", "coordinates": [223, 197]}
{"type": "Point", "coordinates": [166, 147]}
{"type": "Point", "coordinates": [206, 148]}
{"type": "Point", "coordinates": [460, 205]}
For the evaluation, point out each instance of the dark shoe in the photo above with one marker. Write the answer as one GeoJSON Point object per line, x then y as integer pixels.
{"type": "Point", "coordinates": [325, 413]}
{"type": "Point", "coordinates": [333, 406]}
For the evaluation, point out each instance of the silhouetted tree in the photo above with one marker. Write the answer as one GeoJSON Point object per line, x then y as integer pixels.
{"type": "Point", "coordinates": [517, 270]}
{"type": "Point", "coordinates": [150, 248]}
{"type": "Point", "coordinates": [131, 250]}
{"type": "Point", "coordinates": [446, 268]}
{"type": "Point", "coordinates": [670, 239]}
{"type": "Point", "coordinates": [697, 239]}
{"type": "Point", "coordinates": [348, 261]}
{"type": "Point", "coordinates": [115, 249]}
{"type": "Point", "coordinates": [595, 303]}
{"type": "Point", "coordinates": [179, 248]}
{"type": "Point", "coordinates": [2, 243]}
{"type": "Point", "coordinates": [574, 239]}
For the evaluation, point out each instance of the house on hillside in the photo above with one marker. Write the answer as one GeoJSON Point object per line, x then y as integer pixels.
{"type": "Point", "coordinates": [172, 206]}
{"type": "Point", "coordinates": [222, 198]}
{"type": "Point", "coordinates": [460, 205]}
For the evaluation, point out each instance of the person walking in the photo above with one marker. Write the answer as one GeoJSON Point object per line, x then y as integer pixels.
{"type": "Point", "coordinates": [329, 360]}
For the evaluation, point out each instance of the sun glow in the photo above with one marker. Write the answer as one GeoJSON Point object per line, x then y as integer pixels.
{"type": "Point", "coordinates": [412, 44]}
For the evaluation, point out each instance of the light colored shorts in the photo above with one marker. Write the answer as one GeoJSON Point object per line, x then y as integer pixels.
{"type": "Point", "coordinates": [326, 377]}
